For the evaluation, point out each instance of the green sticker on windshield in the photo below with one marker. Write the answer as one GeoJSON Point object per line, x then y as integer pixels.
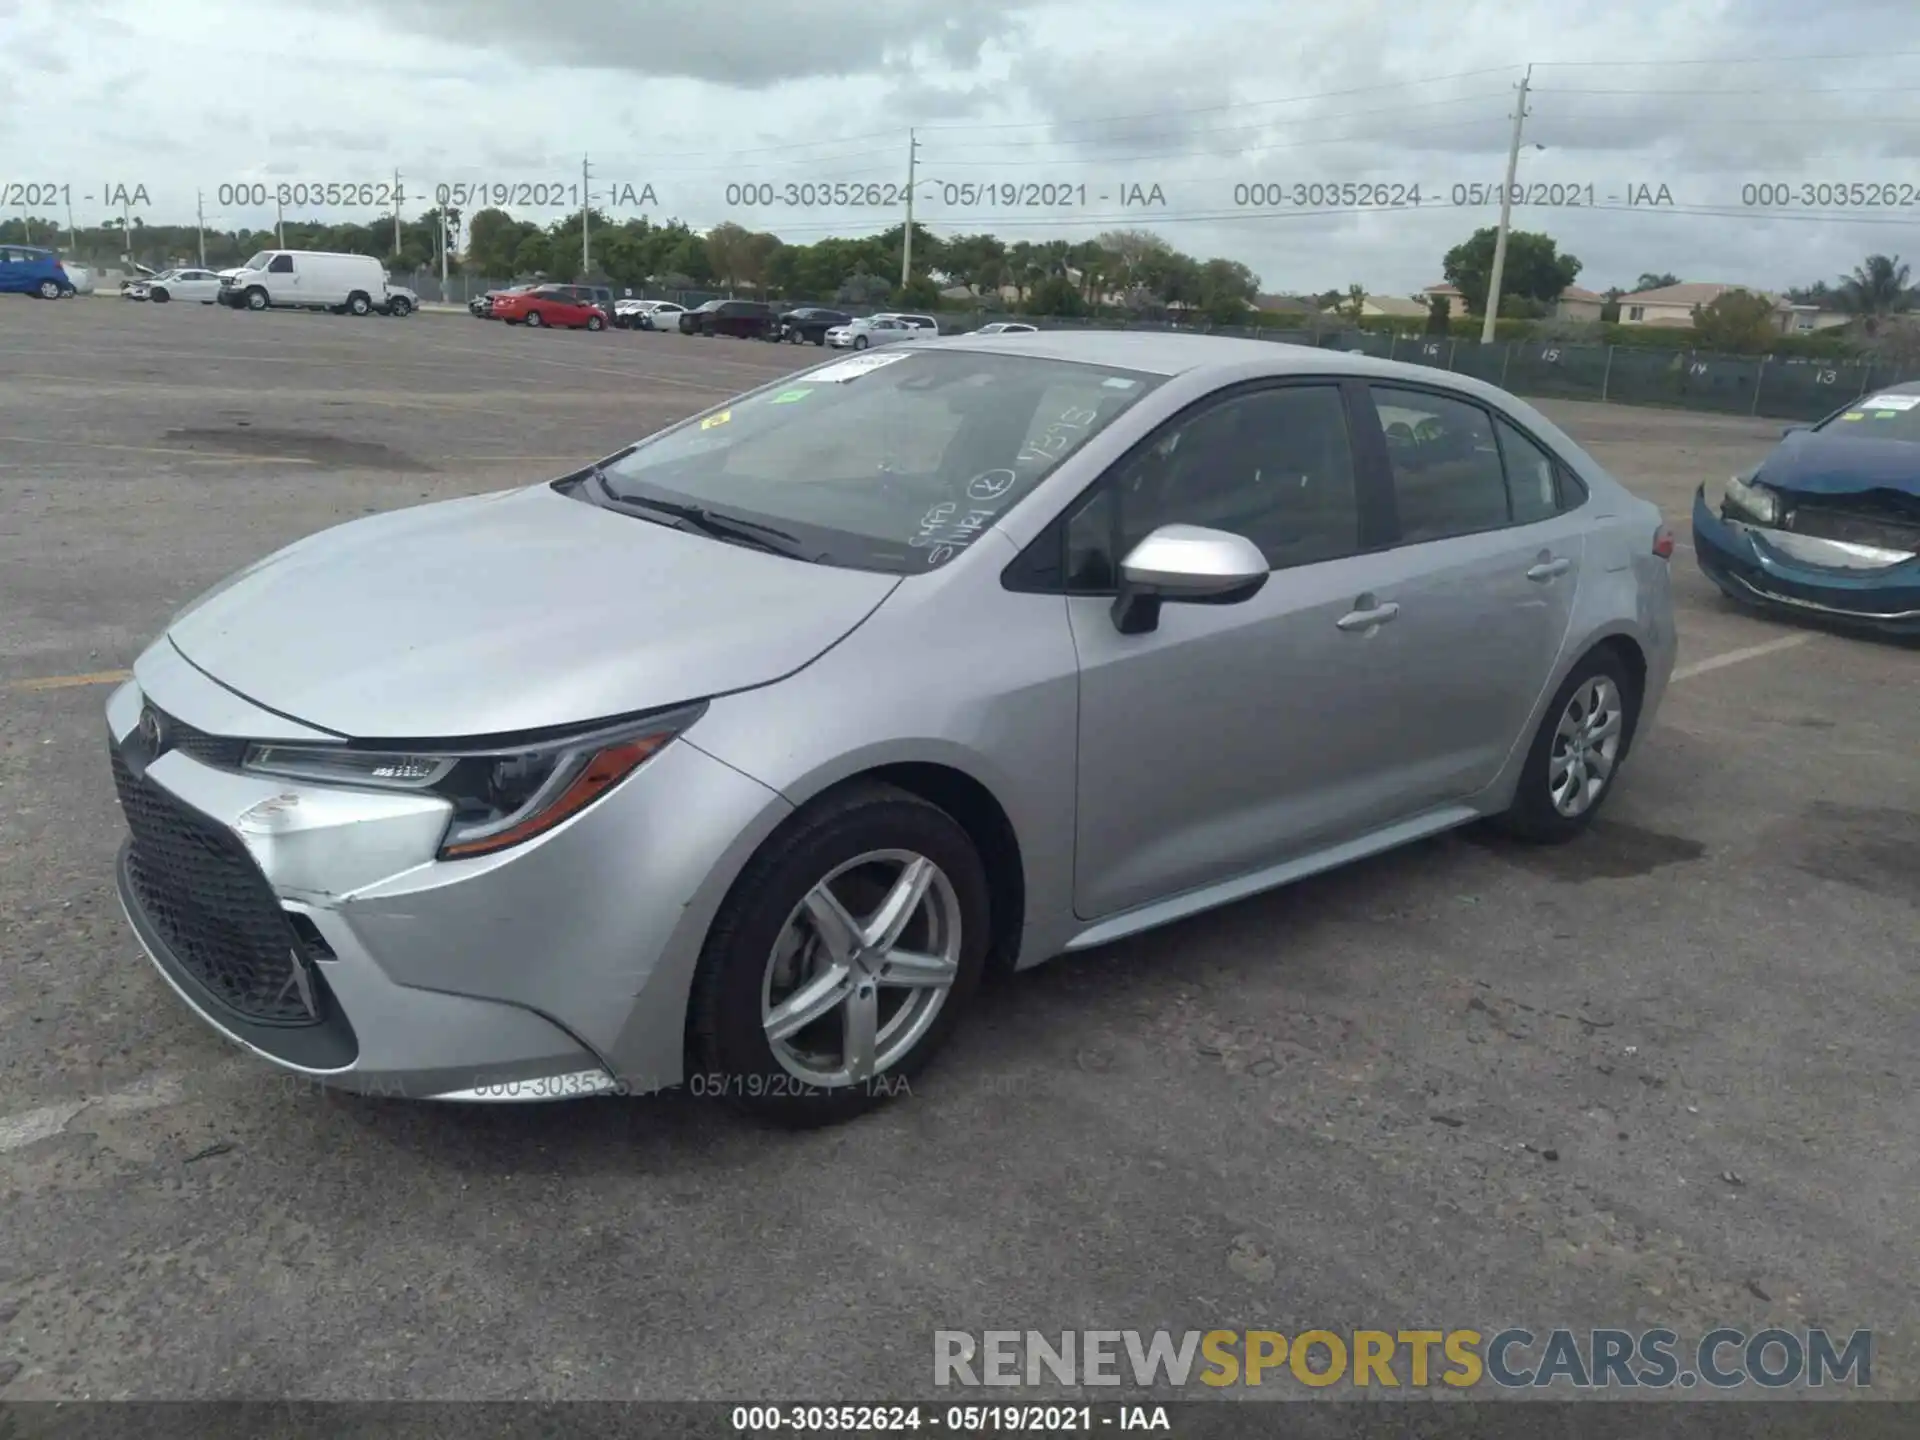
{"type": "Point", "coordinates": [1886, 414]}
{"type": "Point", "coordinates": [1854, 415]}
{"type": "Point", "coordinates": [787, 397]}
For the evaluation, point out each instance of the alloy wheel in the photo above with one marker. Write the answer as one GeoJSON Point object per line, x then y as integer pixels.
{"type": "Point", "coordinates": [861, 969]}
{"type": "Point", "coordinates": [1586, 746]}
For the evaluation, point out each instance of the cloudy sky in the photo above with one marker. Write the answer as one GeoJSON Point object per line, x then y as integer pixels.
{"type": "Point", "coordinates": [1089, 105]}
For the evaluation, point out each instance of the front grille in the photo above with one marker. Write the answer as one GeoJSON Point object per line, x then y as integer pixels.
{"type": "Point", "coordinates": [197, 885]}
{"type": "Point", "coordinates": [1879, 519]}
{"type": "Point", "coordinates": [216, 750]}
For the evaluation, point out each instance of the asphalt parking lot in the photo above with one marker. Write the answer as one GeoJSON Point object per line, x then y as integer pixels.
{"type": "Point", "coordinates": [1662, 1077]}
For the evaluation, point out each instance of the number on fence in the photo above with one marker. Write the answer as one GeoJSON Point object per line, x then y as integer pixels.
{"type": "Point", "coordinates": [1432, 347]}
{"type": "Point", "coordinates": [1825, 377]}
{"type": "Point", "coordinates": [1552, 357]}
{"type": "Point", "coordinates": [1698, 367]}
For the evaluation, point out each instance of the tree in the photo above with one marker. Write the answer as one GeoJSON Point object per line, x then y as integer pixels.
{"type": "Point", "coordinates": [1610, 310]}
{"type": "Point", "coordinates": [1132, 249]}
{"type": "Point", "coordinates": [1654, 281]}
{"type": "Point", "coordinates": [1227, 290]}
{"type": "Point", "coordinates": [1056, 295]}
{"type": "Point", "coordinates": [1738, 322]}
{"type": "Point", "coordinates": [1876, 289]}
{"type": "Point", "coordinates": [533, 256]}
{"type": "Point", "coordinates": [1535, 268]}
{"type": "Point", "coordinates": [1439, 311]}
{"type": "Point", "coordinates": [493, 239]}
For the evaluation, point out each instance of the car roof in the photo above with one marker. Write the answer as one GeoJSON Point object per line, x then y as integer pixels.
{"type": "Point", "coordinates": [1160, 353]}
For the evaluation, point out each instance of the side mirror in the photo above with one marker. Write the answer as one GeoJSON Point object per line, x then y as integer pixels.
{"type": "Point", "coordinates": [1185, 564]}
{"type": "Point", "coordinates": [1794, 428]}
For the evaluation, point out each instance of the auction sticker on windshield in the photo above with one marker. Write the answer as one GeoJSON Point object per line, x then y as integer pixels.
{"type": "Point", "coordinates": [1892, 402]}
{"type": "Point", "coordinates": [712, 420]}
{"type": "Point", "coordinates": [852, 368]}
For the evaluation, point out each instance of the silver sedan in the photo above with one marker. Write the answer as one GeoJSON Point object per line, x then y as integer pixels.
{"type": "Point", "coordinates": [1163, 622]}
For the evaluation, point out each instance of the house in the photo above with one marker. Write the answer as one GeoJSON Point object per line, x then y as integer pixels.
{"type": "Point", "coordinates": [1283, 305]}
{"type": "Point", "coordinates": [1673, 305]}
{"type": "Point", "coordinates": [1384, 305]}
{"type": "Point", "coordinates": [1577, 304]}
{"type": "Point", "coordinates": [1456, 302]}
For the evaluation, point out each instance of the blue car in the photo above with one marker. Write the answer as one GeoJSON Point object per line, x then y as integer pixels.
{"type": "Point", "coordinates": [28, 270]}
{"type": "Point", "coordinates": [1829, 523]}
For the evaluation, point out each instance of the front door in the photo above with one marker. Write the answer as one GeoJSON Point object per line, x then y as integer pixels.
{"type": "Point", "coordinates": [1231, 736]}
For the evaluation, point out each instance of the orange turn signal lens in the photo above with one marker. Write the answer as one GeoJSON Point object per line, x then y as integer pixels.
{"type": "Point", "coordinates": [604, 770]}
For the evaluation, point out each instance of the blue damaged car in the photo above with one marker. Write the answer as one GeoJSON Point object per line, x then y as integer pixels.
{"type": "Point", "coordinates": [1829, 523]}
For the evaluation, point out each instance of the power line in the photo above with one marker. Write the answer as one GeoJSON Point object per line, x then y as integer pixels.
{"type": "Point", "coordinates": [1770, 90]}
{"type": "Point", "coordinates": [1191, 154]}
{"type": "Point", "coordinates": [1237, 105]}
{"type": "Point", "coordinates": [1262, 127]}
{"type": "Point", "coordinates": [1722, 60]}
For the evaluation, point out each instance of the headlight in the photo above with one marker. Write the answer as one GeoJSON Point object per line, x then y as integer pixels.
{"type": "Point", "coordinates": [1753, 499]}
{"type": "Point", "coordinates": [500, 797]}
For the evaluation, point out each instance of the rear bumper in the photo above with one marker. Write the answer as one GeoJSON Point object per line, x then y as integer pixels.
{"type": "Point", "coordinates": [1754, 565]}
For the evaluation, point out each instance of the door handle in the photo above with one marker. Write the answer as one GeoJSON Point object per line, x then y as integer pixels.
{"type": "Point", "coordinates": [1548, 569]}
{"type": "Point", "coordinates": [1368, 619]}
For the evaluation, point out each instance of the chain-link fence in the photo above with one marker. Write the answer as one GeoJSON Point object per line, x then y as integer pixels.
{"type": "Point", "coordinates": [1778, 388]}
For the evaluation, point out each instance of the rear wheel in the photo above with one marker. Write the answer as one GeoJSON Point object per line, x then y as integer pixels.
{"type": "Point", "coordinates": [400, 305]}
{"type": "Point", "coordinates": [49, 289]}
{"type": "Point", "coordinates": [841, 959]}
{"type": "Point", "coordinates": [359, 304]}
{"type": "Point", "coordinates": [1577, 752]}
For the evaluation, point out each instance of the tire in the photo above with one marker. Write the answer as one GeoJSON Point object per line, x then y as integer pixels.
{"type": "Point", "coordinates": [750, 966]}
{"type": "Point", "coordinates": [594, 322]}
{"type": "Point", "coordinates": [400, 308]}
{"type": "Point", "coordinates": [257, 299]}
{"type": "Point", "coordinates": [859, 342]}
{"type": "Point", "coordinates": [359, 304]}
{"type": "Point", "coordinates": [533, 320]}
{"type": "Point", "coordinates": [49, 289]}
{"type": "Point", "coordinates": [159, 297]}
{"type": "Point", "coordinates": [1598, 696]}
{"type": "Point", "coordinates": [821, 338]}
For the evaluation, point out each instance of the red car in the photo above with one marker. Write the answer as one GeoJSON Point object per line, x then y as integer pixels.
{"type": "Point", "coordinates": [548, 307]}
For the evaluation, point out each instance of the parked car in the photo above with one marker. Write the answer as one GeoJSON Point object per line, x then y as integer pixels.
{"type": "Point", "coordinates": [919, 322]}
{"type": "Point", "coordinates": [307, 280]}
{"type": "Point", "coordinates": [80, 277]}
{"type": "Point", "coordinates": [1828, 525]}
{"type": "Point", "coordinates": [665, 315]}
{"type": "Point", "coordinates": [1008, 327]}
{"type": "Point", "coordinates": [399, 301]}
{"type": "Point", "coordinates": [699, 846]}
{"type": "Point", "coordinates": [811, 322]}
{"type": "Point", "coordinates": [29, 270]}
{"type": "Point", "coordinates": [872, 330]}
{"type": "Point", "coordinates": [184, 284]}
{"type": "Point", "coordinates": [742, 319]}
{"type": "Point", "coordinates": [549, 305]}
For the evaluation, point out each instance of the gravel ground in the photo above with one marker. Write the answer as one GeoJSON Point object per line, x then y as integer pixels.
{"type": "Point", "coordinates": [1661, 1077]}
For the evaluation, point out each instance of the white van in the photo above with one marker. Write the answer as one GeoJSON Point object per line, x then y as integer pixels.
{"type": "Point", "coordinates": [308, 280]}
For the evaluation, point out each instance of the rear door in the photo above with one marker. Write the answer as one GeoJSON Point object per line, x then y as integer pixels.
{"type": "Point", "coordinates": [14, 270]}
{"type": "Point", "coordinates": [1483, 573]}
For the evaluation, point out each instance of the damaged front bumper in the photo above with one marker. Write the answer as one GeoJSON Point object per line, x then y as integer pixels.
{"type": "Point", "coordinates": [1856, 582]}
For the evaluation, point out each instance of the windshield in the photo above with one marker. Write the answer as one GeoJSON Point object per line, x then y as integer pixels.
{"type": "Point", "coordinates": [890, 461]}
{"type": "Point", "coordinates": [259, 261]}
{"type": "Point", "coordinates": [1878, 417]}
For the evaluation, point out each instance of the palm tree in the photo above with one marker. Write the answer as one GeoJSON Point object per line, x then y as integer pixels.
{"type": "Point", "coordinates": [1878, 287]}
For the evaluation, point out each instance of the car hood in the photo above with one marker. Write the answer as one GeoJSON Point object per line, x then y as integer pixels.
{"type": "Point", "coordinates": [1825, 463]}
{"type": "Point", "coordinates": [511, 612]}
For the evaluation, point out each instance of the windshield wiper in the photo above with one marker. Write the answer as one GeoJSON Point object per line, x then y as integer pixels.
{"type": "Point", "coordinates": [697, 518]}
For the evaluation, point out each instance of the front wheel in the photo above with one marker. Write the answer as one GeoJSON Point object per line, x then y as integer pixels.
{"type": "Point", "coordinates": [1577, 752]}
{"type": "Point", "coordinates": [859, 342]}
{"type": "Point", "coordinates": [841, 960]}
{"type": "Point", "coordinates": [159, 297]}
{"type": "Point", "coordinates": [594, 322]}
{"type": "Point", "coordinates": [256, 299]}
{"type": "Point", "coordinates": [534, 320]}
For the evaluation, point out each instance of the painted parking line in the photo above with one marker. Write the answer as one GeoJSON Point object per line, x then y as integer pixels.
{"type": "Point", "coordinates": [213, 457]}
{"type": "Point", "coordinates": [155, 1092]}
{"type": "Point", "coordinates": [69, 682]}
{"type": "Point", "coordinates": [1736, 657]}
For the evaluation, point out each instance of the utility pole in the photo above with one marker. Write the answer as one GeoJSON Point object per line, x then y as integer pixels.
{"type": "Point", "coordinates": [396, 212]}
{"type": "Point", "coordinates": [126, 222]}
{"type": "Point", "coordinates": [280, 224]}
{"type": "Point", "coordinates": [73, 238]}
{"type": "Point", "coordinates": [906, 235]}
{"type": "Point", "coordinates": [200, 221]}
{"type": "Point", "coordinates": [586, 201]}
{"type": "Point", "coordinates": [1506, 214]}
{"type": "Point", "coordinates": [446, 240]}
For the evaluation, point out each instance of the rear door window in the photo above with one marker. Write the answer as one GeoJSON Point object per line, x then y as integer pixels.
{"type": "Point", "coordinates": [1447, 475]}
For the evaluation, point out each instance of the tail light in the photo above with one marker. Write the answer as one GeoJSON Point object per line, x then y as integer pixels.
{"type": "Point", "coordinates": [1663, 542]}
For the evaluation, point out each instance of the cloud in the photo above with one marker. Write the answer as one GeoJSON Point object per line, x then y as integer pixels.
{"type": "Point", "coordinates": [698, 40]}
